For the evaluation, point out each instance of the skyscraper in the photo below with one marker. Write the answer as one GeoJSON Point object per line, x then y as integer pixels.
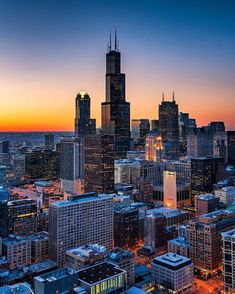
{"type": "Point", "coordinates": [71, 164]}
{"type": "Point", "coordinates": [84, 125]}
{"type": "Point", "coordinates": [49, 141]}
{"type": "Point", "coordinates": [169, 127]}
{"type": "Point", "coordinates": [115, 109]}
{"type": "Point", "coordinates": [99, 163]}
{"type": "Point", "coordinates": [83, 219]}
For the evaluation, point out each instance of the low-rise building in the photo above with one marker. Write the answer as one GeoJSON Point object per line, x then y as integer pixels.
{"type": "Point", "coordinates": [226, 194]}
{"type": "Point", "coordinates": [173, 273]}
{"type": "Point", "coordinates": [179, 246]}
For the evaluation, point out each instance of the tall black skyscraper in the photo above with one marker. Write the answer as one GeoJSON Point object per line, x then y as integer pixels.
{"type": "Point", "coordinates": [115, 109]}
{"type": "Point", "coordinates": [84, 125]}
{"type": "Point", "coordinates": [169, 127]}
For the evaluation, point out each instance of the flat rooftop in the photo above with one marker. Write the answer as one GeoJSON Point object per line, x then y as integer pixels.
{"type": "Point", "coordinates": [21, 288]}
{"type": "Point", "coordinates": [99, 272]}
{"type": "Point", "coordinates": [180, 242]}
{"type": "Point", "coordinates": [54, 275]}
{"type": "Point", "coordinates": [168, 212]}
{"type": "Point", "coordinates": [206, 197]}
{"type": "Point", "coordinates": [230, 233]}
{"type": "Point", "coordinates": [81, 199]}
{"type": "Point", "coordinates": [172, 261]}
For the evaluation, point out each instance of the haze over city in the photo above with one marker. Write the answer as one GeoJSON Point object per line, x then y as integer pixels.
{"type": "Point", "coordinates": [50, 50]}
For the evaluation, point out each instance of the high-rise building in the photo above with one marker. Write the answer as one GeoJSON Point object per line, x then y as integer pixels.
{"type": "Point", "coordinates": [82, 219]}
{"type": "Point", "coordinates": [84, 125]}
{"type": "Point", "coordinates": [22, 217]}
{"type": "Point", "coordinates": [220, 145]}
{"type": "Point", "coordinates": [155, 230]}
{"type": "Point", "coordinates": [203, 174]}
{"type": "Point", "coordinates": [153, 146]}
{"type": "Point", "coordinates": [71, 164]}
{"type": "Point", "coordinates": [126, 227]}
{"type": "Point", "coordinates": [197, 142]}
{"type": "Point", "coordinates": [231, 147]}
{"type": "Point", "coordinates": [4, 147]}
{"type": "Point", "coordinates": [139, 130]}
{"type": "Point", "coordinates": [228, 253]}
{"type": "Point", "coordinates": [154, 124]}
{"type": "Point", "coordinates": [205, 240]}
{"type": "Point", "coordinates": [115, 109]}
{"type": "Point", "coordinates": [169, 189]}
{"type": "Point", "coordinates": [173, 273]}
{"type": "Point", "coordinates": [99, 163]}
{"type": "Point", "coordinates": [49, 141]}
{"type": "Point", "coordinates": [169, 127]}
{"type": "Point", "coordinates": [4, 197]}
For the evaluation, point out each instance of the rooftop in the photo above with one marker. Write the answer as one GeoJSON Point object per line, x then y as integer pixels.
{"type": "Point", "coordinates": [21, 288]}
{"type": "Point", "coordinates": [87, 250]}
{"type": "Point", "coordinates": [55, 275]}
{"type": "Point", "coordinates": [168, 212]}
{"type": "Point", "coordinates": [99, 272]}
{"type": "Point", "coordinates": [180, 241]}
{"type": "Point", "coordinates": [172, 261]}
{"type": "Point", "coordinates": [81, 199]}
{"type": "Point", "coordinates": [230, 233]}
{"type": "Point", "coordinates": [206, 197]}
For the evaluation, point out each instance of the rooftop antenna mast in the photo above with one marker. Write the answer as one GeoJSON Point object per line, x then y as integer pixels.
{"type": "Point", "coordinates": [116, 41]}
{"type": "Point", "coordinates": [110, 42]}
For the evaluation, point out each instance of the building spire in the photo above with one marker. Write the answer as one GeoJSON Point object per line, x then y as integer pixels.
{"type": "Point", "coordinates": [116, 41]}
{"type": "Point", "coordinates": [163, 96]}
{"type": "Point", "coordinates": [173, 96]}
{"type": "Point", "coordinates": [110, 42]}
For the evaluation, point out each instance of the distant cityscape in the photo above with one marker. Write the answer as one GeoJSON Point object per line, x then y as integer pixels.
{"type": "Point", "coordinates": [137, 206]}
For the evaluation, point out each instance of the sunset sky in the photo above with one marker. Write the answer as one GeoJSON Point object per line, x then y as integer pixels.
{"type": "Point", "coordinates": [50, 50]}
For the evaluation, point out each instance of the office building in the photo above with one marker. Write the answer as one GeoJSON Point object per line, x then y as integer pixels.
{"type": "Point", "coordinates": [205, 240]}
{"type": "Point", "coordinates": [84, 125]}
{"type": "Point", "coordinates": [39, 246]}
{"type": "Point", "coordinates": [154, 124]}
{"type": "Point", "coordinates": [72, 165]}
{"type": "Point", "coordinates": [99, 163]}
{"type": "Point", "coordinates": [173, 273]}
{"type": "Point", "coordinates": [197, 143]}
{"type": "Point", "coordinates": [4, 197]}
{"type": "Point", "coordinates": [179, 199]}
{"type": "Point", "coordinates": [103, 278]}
{"type": "Point", "coordinates": [4, 147]}
{"type": "Point", "coordinates": [139, 130]}
{"type": "Point", "coordinates": [228, 257]}
{"type": "Point", "coordinates": [231, 147]}
{"type": "Point", "coordinates": [155, 230]}
{"type": "Point", "coordinates": [206, 203]}
{"type": "Point", "coordinates": [204, 174]}
{"type": "Point", "coordinates": [22, 217]}
{"type": "Point", "coordinates": [226, 194]}
{"type": "Point", "coordinates": [182, 169]}
{"type": "Point", "coordinates": [17, 250]}
{"type": "Point", "coordinates": [84, 256]}
{"type": "Point", "coordinates": [220, 145]}
{"type": "Point", "coordinates": [154, 150]}
{"type": "Point", "coordinates": [126, 227]}
{"type": "Point", "coordinates": [179, 246]}
{"type": "Point", "coordinates": [58, 281]}
{"type": "Point", "coordinates": [169, 127]}
{"type": "Point", "coordinates": [122, 171]}
{"type": "Point", "coordinates": [125, 259]}
{"type": "Point", "coordinates": [49, 141]}
{"type": "Point", "coordinates": [20, 288]}
{"type": "Point", "coordinates": [115, 109]}
{"type": "Point", "coordinates": [41, 164]}
{"type": "Point", "coordinates": [83, 219]}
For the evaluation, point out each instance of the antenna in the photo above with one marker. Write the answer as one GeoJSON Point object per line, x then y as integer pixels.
{"type": "Point", "coordinates": [163, 96]}
{"type": "Point", "coordinates": [110, 42]}
{"type": "Point", "coordinates": [173, 96]}
{"type": "Point", "coordinates": [116, 41]}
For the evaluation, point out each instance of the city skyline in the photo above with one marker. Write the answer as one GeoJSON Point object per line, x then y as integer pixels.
{"type": "Point", "coordinates": [53, 50]}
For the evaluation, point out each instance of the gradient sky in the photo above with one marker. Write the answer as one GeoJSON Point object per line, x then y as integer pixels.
{"type": "Point", "coordinates": [52, 49]}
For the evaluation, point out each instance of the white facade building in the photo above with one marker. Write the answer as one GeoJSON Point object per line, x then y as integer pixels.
{"type": "Point", "coordinates": [226, 195]}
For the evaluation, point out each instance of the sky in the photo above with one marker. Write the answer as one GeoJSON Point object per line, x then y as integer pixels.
{"type": "Point", "coordinates": [50, 50]}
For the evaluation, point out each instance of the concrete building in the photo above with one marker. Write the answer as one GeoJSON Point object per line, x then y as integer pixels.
{"type": "Point", "coordinates": [178, 246]}
{"type": "Point", "coordinates": [103, 278]}
{"type": "Point", "coordinates": [125, 259]}
{"type": "Point", "coordinates": [17, 251]}
{"type": "Point", "coordinates": [21, 288]}
{"type": "Point", "coordinates": [182, 169]}
{"type": "Point", "coordinates": [206, 203]}
{"type": "Point", "coordinates": [173, 273]}
{"type": "Point", "coordinates": [85, 256]}
{"type": "Point", "coordinates": [39, 246]}
{"type": "Point", "coordinates": [228, 253]}
{"type": "Point", "coordinates": [226, 194]}
{"type": "Point", "coordinates": [72, 164]}
{"type": "Point", "coordinates": [122, 171]}
{"type": "Point", "coordinates": [83, 219]}
{"type": "Point", "coordinates": [58, 281]}
{"type": "Point", "coordinates": [139, 130]}
{"type": "Point", "coordinates": [205, 240]}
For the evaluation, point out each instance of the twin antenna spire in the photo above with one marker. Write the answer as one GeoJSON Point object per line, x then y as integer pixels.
{"type": "Point", "coordinates": [116, 42]}
{"type": "Point", "coordinates": [173, 96]}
